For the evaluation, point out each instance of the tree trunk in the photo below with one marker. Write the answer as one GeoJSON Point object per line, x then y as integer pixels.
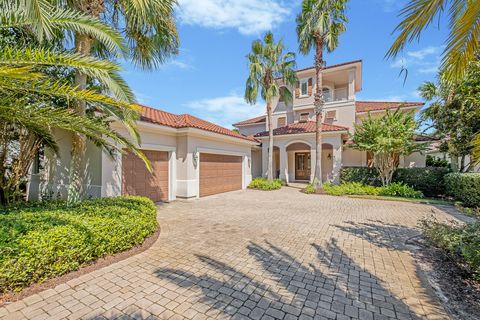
{"type": "Point", "coordinates": [270, 141]}
{"type": "Point", "coordinates": [317, 180]}
{"type": "Point", "coordinates": [83, 45]}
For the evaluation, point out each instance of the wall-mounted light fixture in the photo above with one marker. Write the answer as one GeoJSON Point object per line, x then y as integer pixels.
{"type": "Point", "coordinates": [195, 159]}
{"type": "Point", "coordinates": [329, 156]}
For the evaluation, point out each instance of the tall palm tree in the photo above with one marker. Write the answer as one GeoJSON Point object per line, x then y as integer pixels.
{"type": "Point", "coordinates": [463, 42]}
{"type": "Point", "coordinates": [267, 65]}
{"type": "Point", "coordinates": [30, 93]}
{"type": "Point", "coordinates": [319, 26]}
{"type": "Point", "coordinates": [150, 36]}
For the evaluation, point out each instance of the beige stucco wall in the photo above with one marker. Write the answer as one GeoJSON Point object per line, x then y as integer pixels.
{"type": "Point", "coordinates": [251, 129]}
{"type": "Point", "coordinates": [354, 158]}
{"type": "Point", "coordinates": [415, 160]}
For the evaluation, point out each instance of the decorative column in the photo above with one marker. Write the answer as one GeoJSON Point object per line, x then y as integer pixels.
{"type": "Point", "coordinates": [283, 163]}
{"type": "Point", "coordinates": [264, 157]}
{"type": "Point", "coordinates": [337, 160]}
{"type": "Point", "coordinates": [313, 158]}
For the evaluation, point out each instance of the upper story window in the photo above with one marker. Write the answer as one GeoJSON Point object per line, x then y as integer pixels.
{"type": "Point", "coordinates": [304, 117]}
{"type": "Point", "coordinates": [327, 94]}
{"type": "Point", "coordinates": [281, 122]}
{"type": "Point", "coordinates": [330, 116]}
{"type": "Point", "coordinates": [303, 87]}
{"type": "Point", "coordinates": [282, 94]}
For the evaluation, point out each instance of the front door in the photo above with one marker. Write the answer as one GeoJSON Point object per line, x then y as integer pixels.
{"type": "Point", "coordinates": [302, 166]}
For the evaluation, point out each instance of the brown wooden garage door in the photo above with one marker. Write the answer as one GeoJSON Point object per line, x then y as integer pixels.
{"type": "Point", "coordinates": [219, 173]}
{"type": "Point", "coordinates": [137, 180]}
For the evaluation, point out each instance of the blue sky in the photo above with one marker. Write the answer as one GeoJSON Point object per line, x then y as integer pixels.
{"type": "Point", "coordinates": [207, 78]}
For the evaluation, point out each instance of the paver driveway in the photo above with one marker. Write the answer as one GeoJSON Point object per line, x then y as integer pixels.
{"type": "Point", "coordinates": [259, 255]}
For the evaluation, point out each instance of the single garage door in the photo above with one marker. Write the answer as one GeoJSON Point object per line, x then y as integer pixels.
{"type": "Point", "coordinates": [219, 173]}
{"type": "Point", "coordinates": [137, 180]}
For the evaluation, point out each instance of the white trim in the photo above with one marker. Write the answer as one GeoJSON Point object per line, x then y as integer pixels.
{"type": "Point", "coordinates": [214, 135]}
{"type": "Point", "coordinates": [253, 124]}
{"type": "Point", "coordinates": [384, 110]}
{"type": "Point", "coordinates": [157, 147]}
{"type": "Point", "coordinates": [304, 134]}
{"type": "Point", "coordinates": [220, 151]}
{"type": "Point", "coordinates": [298, 141]}
{"type": "Point", "coordinates": [172, 176]}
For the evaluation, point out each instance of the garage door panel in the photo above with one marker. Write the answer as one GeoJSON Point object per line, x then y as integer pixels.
{"type": "Point", "coordinates": [137, 180]}
{"type": "Point", "coordinates": [219, 173]}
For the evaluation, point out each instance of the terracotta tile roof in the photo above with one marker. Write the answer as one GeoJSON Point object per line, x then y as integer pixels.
{"type": "Point", "coordinates": [260, 119]}
{"type": "Point", "coordinates": [302, 127]}
{"type": "Point", "coordinates": [365, 106]}
{"type": "Point", "coordinates": [178, 121]}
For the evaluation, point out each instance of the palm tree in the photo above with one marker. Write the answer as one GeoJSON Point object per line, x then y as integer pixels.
{"type": "Point", "coordinates": [268, 64]}
{"type": "Point", "coordinates": [463, 43]}
{"type": "Point", "coordinates": [319, 26]}
{"type": "Point", "coordinates": [31, 98]}
{"type": "Point", "coordinates": [149, 37]}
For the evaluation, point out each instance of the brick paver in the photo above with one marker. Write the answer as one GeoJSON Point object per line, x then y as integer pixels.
{"type": "Point", "coordinates": [259, 255]}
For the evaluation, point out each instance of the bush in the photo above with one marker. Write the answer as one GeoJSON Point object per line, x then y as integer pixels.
{"type": "Point", "coordinates": [43, 240]}
{"type": "Point", "coordinates": [464, 187]}
{"type": "Point", "coordinates": [363, 175]}
{"type": "Point", "coordinates": [397, 189]}
{"type": "Point", "coordinates": [430, 180]}
{"type": "Point", "coordinates": [355, 188]}
{"type": "Point", "coordinates": [309, 189]}
{"type": "Point", "coordinates": [351, 188]}
{"type": "Point", "coordinates": [460, 242]}
{"type": "Point", "coordinates": [266, 185]}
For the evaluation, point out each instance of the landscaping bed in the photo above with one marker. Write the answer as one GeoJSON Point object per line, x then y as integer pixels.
{"type": "Point", "coordinates": [266, 185]}
{"type": "Point", "coordinates": [45, 240]}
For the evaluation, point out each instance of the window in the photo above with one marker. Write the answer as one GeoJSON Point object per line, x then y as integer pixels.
{"type": "Point", "coordinates": [282, 94]}
{"type": "Point", "coordinates": [304, 87]}
{"type": "Point", "coordinates": [304, 117]}
{"type": "Point", "coordinates": [330, 116]}
{"type": "Point", "coordinates": [281, 122]}
{"type": "Point", "coordinates": [327, 94]}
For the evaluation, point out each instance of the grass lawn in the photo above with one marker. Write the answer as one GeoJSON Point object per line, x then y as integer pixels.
{"type": "Point", "coordinates": [43, 240]}
{"type": "Point", "coordinates": [414, 200]}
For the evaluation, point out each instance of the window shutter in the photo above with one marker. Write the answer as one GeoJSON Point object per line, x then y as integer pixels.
{"type": "Point", "coordinates": [310, 85]}
{"type": "Point", "coordinates": [297, 90]}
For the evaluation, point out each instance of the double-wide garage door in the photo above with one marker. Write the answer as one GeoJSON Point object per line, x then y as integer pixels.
{"type": "Point", "coordinates": [219, 173]}
{"type": "Point", "coordinates": [137, 180]}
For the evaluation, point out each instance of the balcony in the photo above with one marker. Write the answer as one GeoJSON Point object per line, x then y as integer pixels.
{"type": "Point", "coordinates": [339, 94]}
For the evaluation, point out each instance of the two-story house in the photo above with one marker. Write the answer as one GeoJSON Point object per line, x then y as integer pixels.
{"type": "Point", "coordinates": [294, 126]}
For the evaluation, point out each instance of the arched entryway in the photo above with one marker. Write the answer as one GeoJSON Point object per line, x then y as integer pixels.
{"type": "Point", "coordinates": [299, 161]}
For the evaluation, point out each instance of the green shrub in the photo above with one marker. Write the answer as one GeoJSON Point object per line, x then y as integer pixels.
{"type": "Point", "coordinates": [309, 189]}
{"type": "Point", "coordinates": [397, 189]}
{"type": "Point", "coordinates": [363, 175]}
{"type": "Point", "coordinates": [430, 180]}
{"type": "Point", "coordinates": [266, 185]}
{"type": "Point", "coordinates": [351, 188]}
{"type": "Point", "coordinates": [356, 188]}
{"type": "Point", "coordinates": [43, 240]}
{"type": "Point", "coordinates": [464, 187]}
{"type": "Point", "coordinates": [461, 242]}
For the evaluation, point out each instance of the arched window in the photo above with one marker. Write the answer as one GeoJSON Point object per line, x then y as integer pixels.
{"type": "Point", "coordinates": [327, 94]}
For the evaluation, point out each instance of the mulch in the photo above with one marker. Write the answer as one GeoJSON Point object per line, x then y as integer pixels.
{"type": "Point", "coordinates": [88, 267]}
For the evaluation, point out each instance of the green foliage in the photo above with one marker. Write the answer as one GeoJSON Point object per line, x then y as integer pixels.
{"type": "Point", "coordinates": [429, 180]}
{"type": "Point", "coordinates": [266, 185]}
{"type": "Point", "coordinates": [387, 137]}
{"type": "Point", "coordinates": [436, 162]}
{"type": "Point", "coordinates": [461, 242]}
{"type": "Point", "coordinates": [356, 188]}
{"type": "Point", "coordinates": [462, 44]}
{"type": "Point", "coordinates": [464, 187]}
{"type": "Point", "coordinates": [43, 240]}
{"type": "Point", "coordinates": [364, 175]}
{"type": "Point", "coordinates": [398, 189]}
{"type": "Point", "coordinates": [454, 113]}
{"type": "Point", "coordinates": [309, 189]}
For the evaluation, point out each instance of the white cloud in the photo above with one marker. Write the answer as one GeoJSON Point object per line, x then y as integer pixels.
{"type": "Point", "coordinates": [225, 110]}
{"type": "Point", "coordinates": [142, 98]}
{"type": "Point", "coordinates": [426, 60]}
{"type": "Point", "coordinates": [391, 5]}
{"type": "Point", "coordinates": [247, 16]}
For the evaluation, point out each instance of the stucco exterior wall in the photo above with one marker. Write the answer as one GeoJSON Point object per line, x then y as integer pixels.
{"type": "Point", "coordinates": [250, 129]}
{"type": "Point", "coordinates": [415, 160]}
{"type": "Point", "coordinates": [354, 158]}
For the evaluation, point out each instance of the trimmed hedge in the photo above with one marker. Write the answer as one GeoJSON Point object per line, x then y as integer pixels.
{"type": "Point", "coordinates": [266, 185]}
{"type": "Point", "coordinates": [430, 181]}
{"type": "Point", "coordinates": [464, 187]}
{"type": "Point", "coordinates": [44, 240]}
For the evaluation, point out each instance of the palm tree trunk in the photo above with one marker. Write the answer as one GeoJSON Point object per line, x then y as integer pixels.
{"type": "Point", "coordinates": [317, 179]}
{"type": "Point", "coordinates": [270, 141]}
{"type": "Point", "coordinates": [83, 45]}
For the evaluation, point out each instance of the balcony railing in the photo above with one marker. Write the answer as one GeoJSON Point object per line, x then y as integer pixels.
{"type": "Point", "coordinates": [339, 94]}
